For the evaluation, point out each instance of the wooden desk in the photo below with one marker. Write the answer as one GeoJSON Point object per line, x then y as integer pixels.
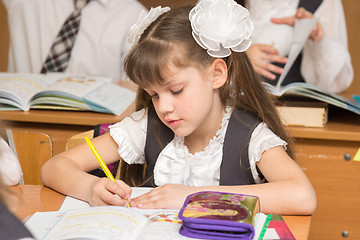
{"type": "Point", "coordinates": [36, 198]}
{"type": "Point", "coordinates": [325, 154]}
{"type": "Point", "coordinates": [327, 157]}
{"type": "Point", "coordinates": [59, 125]}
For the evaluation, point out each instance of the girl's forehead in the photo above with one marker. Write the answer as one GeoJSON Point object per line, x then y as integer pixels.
{"type": "Point", "coordinates": [169, 79]}
{"type": "Point", "coordinates": [177, 76]}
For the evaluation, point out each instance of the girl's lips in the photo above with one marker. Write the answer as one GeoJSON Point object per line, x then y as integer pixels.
{"type": "Point", "coordinates": [173, 123]}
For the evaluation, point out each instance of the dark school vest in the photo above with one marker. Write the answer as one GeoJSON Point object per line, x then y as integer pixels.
{"type": "Point", "coordinates": [235, 147]}
{"type": "Point", "coordinates": [294, 74]}
{"type": "Point", "coordinates": [10, 226]}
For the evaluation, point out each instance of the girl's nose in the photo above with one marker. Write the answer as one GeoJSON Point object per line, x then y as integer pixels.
{"type": "Point", "coordinates": [165, 104]}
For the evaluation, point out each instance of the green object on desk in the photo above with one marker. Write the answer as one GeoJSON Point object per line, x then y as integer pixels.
{"type": "Point", "coordinates": [266, 225]}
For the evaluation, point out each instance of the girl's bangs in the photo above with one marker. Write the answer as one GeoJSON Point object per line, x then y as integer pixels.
{"type": "Point", "coordinates": [149, 62]}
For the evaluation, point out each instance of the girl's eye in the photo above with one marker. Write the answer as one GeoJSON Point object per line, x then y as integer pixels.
{"type": "Point", "coordinates": [178, 91]}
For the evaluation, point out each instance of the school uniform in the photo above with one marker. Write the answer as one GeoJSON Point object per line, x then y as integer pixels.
{"type": "Point", "coordinates": [101, 43]}
{"type": "Point", "coordinates": [173, 163]}
{"type": "Point", "coordinates": [327, 63]}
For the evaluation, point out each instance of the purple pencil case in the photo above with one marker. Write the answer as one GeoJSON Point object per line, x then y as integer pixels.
{"type": "Point", "coordinates": [219, 215]}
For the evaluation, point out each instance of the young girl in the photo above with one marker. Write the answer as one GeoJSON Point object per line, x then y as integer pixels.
{"type": "Point", "coordinates": [205, 121]}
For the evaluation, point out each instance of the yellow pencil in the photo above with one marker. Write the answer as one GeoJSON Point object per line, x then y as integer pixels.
{"type": "Point", "coordinates": [101, 161]}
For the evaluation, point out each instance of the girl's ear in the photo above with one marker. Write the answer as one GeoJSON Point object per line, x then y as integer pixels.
{"type": "Point", "coordinates": [219, 71]}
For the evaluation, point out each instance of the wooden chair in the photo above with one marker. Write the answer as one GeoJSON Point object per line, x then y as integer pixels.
{"type": "Point", "coordinates": [33, 150]}
{"type": "Point", "coordinates": [78, 139]}
{"type": "Point", "coordinates": [124, 171]}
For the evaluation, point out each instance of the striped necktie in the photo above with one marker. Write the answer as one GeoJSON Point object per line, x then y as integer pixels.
{"type": "Point", "coordinates": [60, 52]}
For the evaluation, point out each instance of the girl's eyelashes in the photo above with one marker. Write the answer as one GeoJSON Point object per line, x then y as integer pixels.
{"type": "Point", "coordinates": [173, 92]}
{"type": "Point", "coordinates": [177, 91]}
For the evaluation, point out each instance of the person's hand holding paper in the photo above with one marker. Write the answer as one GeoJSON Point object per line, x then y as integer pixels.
{"type": "Point", "coordinates": [264, 57]}
{"type": "Point", "coordinates": [317, 31]}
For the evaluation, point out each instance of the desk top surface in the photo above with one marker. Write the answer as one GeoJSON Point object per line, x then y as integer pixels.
{"type": "Point", "coordinates": [37, 198]}
{"type": "Point", "coordinates": [342, 125]}
{"type": "Point", "coordinates": [65, 117]}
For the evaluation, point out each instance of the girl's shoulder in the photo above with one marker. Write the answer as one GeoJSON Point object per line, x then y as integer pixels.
{"type": "Point", "coordinates": [135, 117]}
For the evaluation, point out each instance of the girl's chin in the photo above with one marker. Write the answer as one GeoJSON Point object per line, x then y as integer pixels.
{"type": "Point", "coordinates": [180, 133]}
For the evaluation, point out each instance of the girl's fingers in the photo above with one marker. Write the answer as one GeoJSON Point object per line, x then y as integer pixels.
{"type": "Point", "coordinates": [301, 13]}
{"type": "Point", "coordinates": [268, 49]}
{"type": "Point", "coordinates": [286, 20]}
{"type": "Point", "coordinates": [123, 190]}
{"type": "Point", "coordinates": [147, 200]}
{"type": "Point", "coordinates": [277, 59]}
{"type": "Point", "coordinates": [107, 192]}
{"type": "Point", "coordinates": [320, 32]}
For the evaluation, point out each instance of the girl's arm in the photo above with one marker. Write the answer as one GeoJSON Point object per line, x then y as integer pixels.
{"type": "Point", "coordinates": [288, 190]}
{"type": "Point", "coordinates": [67, 173]}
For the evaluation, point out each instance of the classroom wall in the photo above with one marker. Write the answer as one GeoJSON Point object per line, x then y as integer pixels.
{"type": "Point", "coordinates": [351, 8]}
{"type": "Point", "coordinates": [4, 38]}
{"type": "Point", "coordinates": [352, 15]}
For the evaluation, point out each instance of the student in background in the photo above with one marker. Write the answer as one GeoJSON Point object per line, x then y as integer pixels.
{"type": "Point", "coordinates": [10, 169]}
{"type": "Point", "coordinates": [205, 121]}
{"type": "Point", "coordinates": [325, 60]}
{"type": "Point", "coordinates": [11, 228]}
{"type": "Point", "coordinates": [100, 45]}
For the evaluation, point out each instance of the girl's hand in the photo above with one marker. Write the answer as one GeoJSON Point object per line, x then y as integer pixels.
{"type": "Point", "coordinates": [316, 34]}
{"type": "Point", "coordinates": [261, 56]}
{"type": "Point", "coordinates": [106, 192]}
{"type": "Point", "coordinates": [166, 196]}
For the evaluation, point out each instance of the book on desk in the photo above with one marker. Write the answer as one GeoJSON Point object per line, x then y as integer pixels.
{"type": "Point", "coordinates": [302, 112]}
{"type": "Point", "coordinates": [140, 223]}
{"type": "Point", "coordinates": [304, 104]}
{"type": "Point", "coordinates": [305, 113]}
{"type": "Point", "coordinates": [63, 92]}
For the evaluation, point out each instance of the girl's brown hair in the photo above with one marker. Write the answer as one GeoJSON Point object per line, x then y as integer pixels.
{"type": "Point", "coordinates": [168, 41]}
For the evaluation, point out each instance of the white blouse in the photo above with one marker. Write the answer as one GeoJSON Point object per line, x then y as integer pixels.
{"type": "Point", "coordinates": [10, 167]}
{"type": "Point", "coordinates": [175, 164]}
{"type": "Point", "coordinates": [327, 63]}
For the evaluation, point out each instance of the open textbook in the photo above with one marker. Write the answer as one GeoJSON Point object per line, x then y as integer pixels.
{"type": "Point", "coordinates": [76, 219]}
{"type": "Point", "coordinates": [314, 92]}
{"type": "Point", "coordinates": [64, 92]}
{"type": "Point", "coordinates": [312, 109]}
{"type": "Point", "coordinates": [111, 222]}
